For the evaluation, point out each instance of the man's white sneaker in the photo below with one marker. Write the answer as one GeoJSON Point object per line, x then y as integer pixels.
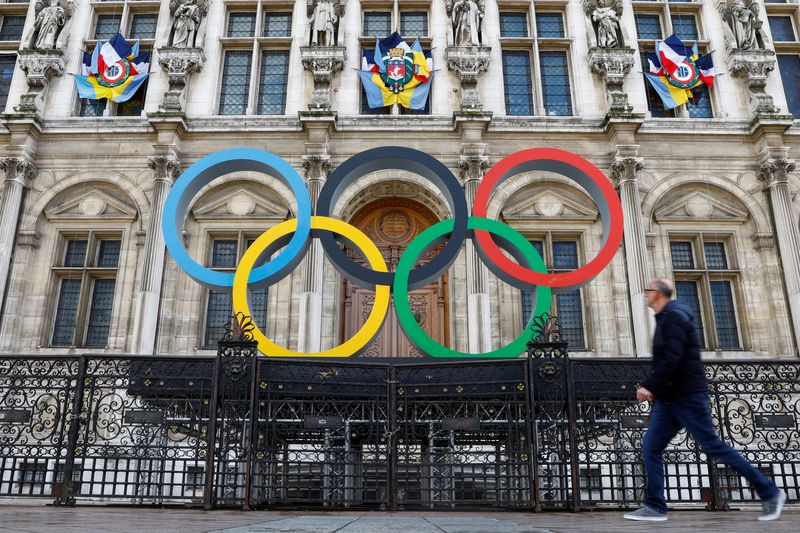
{"type": "Point", "coordinates": [771, 509]}
{"type": "Point", "coordinates": [646, 514]}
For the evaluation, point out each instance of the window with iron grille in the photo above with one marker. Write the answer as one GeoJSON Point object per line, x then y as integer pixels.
{"type": "Point", "coordinates": [272, 85]}
{"type": "Point", "coordinates": [11, 28]}
{"type": "Point", "coordinates": [413, 23]}
{"type": "Point", "coordinates": [7, 65]}
{"type": "Point", "coordinates": [706, 281]}
{"type": "Point", "coordinates": [225, 255]}
{"type": "Point", "coordinates": [685, 27]}
{"type": "Point", "coordinates": [513, 24]}
{"type": "Point", "coordinates": [550, 25]}
{"type": "Point", "coordinates": [143, 26]}
{"type": "Point", "coordinates": [235, 82]}
{"type": "Point", "coordinates": [377, 23]}
{"type": "Point", "coordinates": [86, 274]}
{"type": "Point", "coordinates": [555, 83]}
{"type": "Point", "coordinates": [561, 255]}
{"type": "Point", "coordinates": [277, 24]}
{"type": "Point", "coordinates": [241, 24]}
{"type": "Point", "coordinates": [517, 82]}
{"type": "Point", "coordinates": [648, 26]}
{"type": "Point", "coordinates": [107, 26]}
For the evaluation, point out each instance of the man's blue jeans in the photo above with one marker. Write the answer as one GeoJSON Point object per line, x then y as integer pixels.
{"type": "Point", "coordinates": [693, 413]}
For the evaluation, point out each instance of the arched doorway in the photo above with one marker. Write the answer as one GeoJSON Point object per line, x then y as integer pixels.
{"type": "Point", "coordinates": [392, 223]}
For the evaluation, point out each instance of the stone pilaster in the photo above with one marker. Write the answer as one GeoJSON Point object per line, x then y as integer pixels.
{"type": "Point", "coordinates": [19, 173]}
{"type": "Point", "coordinates": [624, 173]}
{"type": "Point", "coordinates": [317, 167]}
{"type": "Point", "coordinates": [473, 165]}
{"type": "Point", "coordinates": [774, 175]}
{"type": "Point", "coordinates": [166, 169]}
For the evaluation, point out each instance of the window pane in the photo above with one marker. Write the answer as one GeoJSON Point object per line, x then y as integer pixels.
{"type": "Point", "coordinates": [550, 25]}
{"type": "Point", "coordinates": [699, 105]}
{"type": "Point", "coordinates": [217, 315]}
{"type": "Point", "coordinates": [100, 312]}
{"type": "Point", "coordinates": [11, 29]}
{"type": "Point", "coordinates": [258, 307]}
{"type": "Point", "coordinates": [513, 25]}
{"type": "Point", "coordinates": [278, 25]}
{"type": "Point", "coordinates": [241, 24]}
{"type": "Point", "coordinates": [686, 291]}
{"type": "Point", "coordinates": [223, 254]}
{"type": "Point", "coordinates": [144, 26]}
{"type": "Point", "coordinates": [682, 257]}
{"type": "Point", "coordinates": [724, 315]}
{"type": "Point", "coordinates": [134, 106]}
{"type": "Point", "coordinates": [235, 83]}
{"type": "Point", "coordinates": [789, 65]}
{"type": "Point", "coordinates": [7, 64]}
{"type": "Point", "coordinates": [377, 23]}
{"type": "Point", "coordinates": [92, 108]}
{"type": "Point", "coordinates": [570, 316]}
{"type": "Point", "coordinates": [272, 83]}
{"type": "Point", "coordinates": [715, 256]}
{"type": "Point", "coordinates": [517, 82]}
{"type": "Point", "coordinates": [781, 28]}
{"type": "Point", "coordinates": [527, 297]}
{"type": "Point", "coordinates": [67, 308]}
{"type": "Point", "coordinates": [414, 23]}
{"type": "Point", "coordinates": [107, 26]}
{"type": "Point", "coordinates": [555, 83]}
{"type": "Point", "coordinates": [108, 254]}
{"type": "Point", "coordinates": [565, 254]}
{"type": "Point", "coordinates": [648, 26]}
{"type": "Point", "coordinates": [539, 245]}
{"type": "Point", "coordinates": [654, 103]}
{"type": "Point", "coordinates": [76, 253]}
{"type": "Point", "coordinates": [685, 27]}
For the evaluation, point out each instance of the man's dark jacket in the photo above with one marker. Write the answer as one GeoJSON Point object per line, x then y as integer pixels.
{"type": "Point", "coordinates": [677, 367]}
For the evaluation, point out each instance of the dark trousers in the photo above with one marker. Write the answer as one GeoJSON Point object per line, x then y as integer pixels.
{"type": "Point", "coordinates": [693, 413]}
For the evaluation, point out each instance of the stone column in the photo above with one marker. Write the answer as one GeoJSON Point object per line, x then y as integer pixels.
{"type": "Point", "coordinates": [165, 169]}
{"type": "Point", "coordinates": [309, 338]}
{"type": "Point", "coordinates": [473, 166]}
{"type": "Point", "coordinates": [624, 172]}
{"type": "Point", "coordinates": [19, 172]}
{"type": "Point", "coordinates": [774, 173]}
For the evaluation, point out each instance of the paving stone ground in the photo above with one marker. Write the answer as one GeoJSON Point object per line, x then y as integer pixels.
{"type": "Point", "coordinates": [18, 518]}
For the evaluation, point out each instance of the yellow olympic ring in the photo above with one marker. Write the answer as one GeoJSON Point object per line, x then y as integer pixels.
{"type": "Point", "coordinates": [382, 292]}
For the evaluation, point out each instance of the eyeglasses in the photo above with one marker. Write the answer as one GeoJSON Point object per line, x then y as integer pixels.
{"type": "Point", "coordinates": [651, 290]}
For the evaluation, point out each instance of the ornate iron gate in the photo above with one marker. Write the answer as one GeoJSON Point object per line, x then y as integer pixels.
{"type": "Point", "coordinates": [544, 432]}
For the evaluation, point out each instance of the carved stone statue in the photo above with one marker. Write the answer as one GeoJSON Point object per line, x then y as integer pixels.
{"type": "Point", "coordinates": [187, 16]}
{"type": "Point", "coordinates": [743, 23]}
{"type": "Point", "coordinates": [48, 25]}
{"type": "Point", "coordinates": [324, 19]}
{"type": "Point", "coordinates": [605, 18]}
{"type": "Point", "coordinates": [466, 17]}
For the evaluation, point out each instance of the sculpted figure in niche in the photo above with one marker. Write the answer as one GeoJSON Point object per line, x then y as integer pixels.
{"type": "Point", "coordinates": [49, 21]}
{"type": "Point", "coordinates": [324, 20]}
{"type": "Point", "coordinates": [466, 17]}
{"type": "Point", "coordinates": [743, 22]}
{"type": "Point", "coordinates": [606, 15]}
{"type": "Point", "coordinates": [186, 18]}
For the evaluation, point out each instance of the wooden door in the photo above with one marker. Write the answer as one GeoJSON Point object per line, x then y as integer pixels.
{"type": "Point", "coordinates": [392, 223]}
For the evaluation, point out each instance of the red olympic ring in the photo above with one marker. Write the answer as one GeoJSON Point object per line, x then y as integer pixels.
{"type": "Point", "coordinates": [553, 160]}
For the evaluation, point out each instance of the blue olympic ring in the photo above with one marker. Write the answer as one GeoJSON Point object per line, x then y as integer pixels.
{"type": "Point", "coordinates": [201, 174]}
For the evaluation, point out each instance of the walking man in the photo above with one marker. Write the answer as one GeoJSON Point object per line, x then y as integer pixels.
{"type": "Point", "coordinates": [679, 392]}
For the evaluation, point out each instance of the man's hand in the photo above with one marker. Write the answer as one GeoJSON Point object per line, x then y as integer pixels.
{"type": "Point", "coordinates": [644, 395]}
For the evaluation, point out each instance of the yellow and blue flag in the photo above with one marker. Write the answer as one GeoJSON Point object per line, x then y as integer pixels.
{"type": "Point", "coordinates": [396, 73]}
{"type": "Point", "coordinates": [675, 69]}
{"type": "Point", "coordinates": [114, 70]}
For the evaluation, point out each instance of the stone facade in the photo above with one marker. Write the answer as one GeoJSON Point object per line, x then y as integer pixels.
{"type": "Point", "coordinates": [729, 179]}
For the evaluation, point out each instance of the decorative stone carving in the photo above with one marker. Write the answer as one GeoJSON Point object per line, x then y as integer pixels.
{"type": "Point", "coordinates": [469, 62]}
{"type": "Point", "coordinates": [742, 25]}
{"type": "Point", "coordinates": [604, 17]}
{"type": "Point", "coordinates": [754, 66]}
{"type": "Point", "coordinates": [324, 17]}
{"type": "Point", "coordinates": [188, 23]}
{"type": "Point", "coordinates": [626, 169]}
{"type": "Point", "coordinates": [775, 170]}
{"type": "Point", "coordinates": [466, 17]}
{"type": "Point", "coordinates": [323, 63]}
{"type": "Point", "coordinates": [50, 27]}
{"type": "Point", "coordinates": [472, 167]}
{"type": "Point", "coordinates": [39, 66]}
{"type": "Point", "coordinates": [317, 166]}
{"type": "Point", "coordinates": [164, 167]}
{"type": "Point", "coordinates": [613, 64]}
{"type": "Point", "coordinates": [18, 169]}
{"type": "Point", "coordinates": [179, 63]}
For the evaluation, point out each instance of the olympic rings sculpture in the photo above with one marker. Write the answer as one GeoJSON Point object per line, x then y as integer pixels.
{"type": "Point", "coordinates": [291, 238]}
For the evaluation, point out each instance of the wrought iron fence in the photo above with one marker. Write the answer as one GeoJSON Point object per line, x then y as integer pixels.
{"type": "Point", "coordinates": [543, 432]}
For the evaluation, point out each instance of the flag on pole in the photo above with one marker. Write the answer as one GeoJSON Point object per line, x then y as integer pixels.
{"type": "Point", "coordinates": [675, 69]}
{"type": "Point", "coordinates": [114, 70]}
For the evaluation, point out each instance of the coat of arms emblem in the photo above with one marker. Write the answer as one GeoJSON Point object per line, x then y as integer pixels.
{"type": "Point", "coordinates": [400, 69]}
